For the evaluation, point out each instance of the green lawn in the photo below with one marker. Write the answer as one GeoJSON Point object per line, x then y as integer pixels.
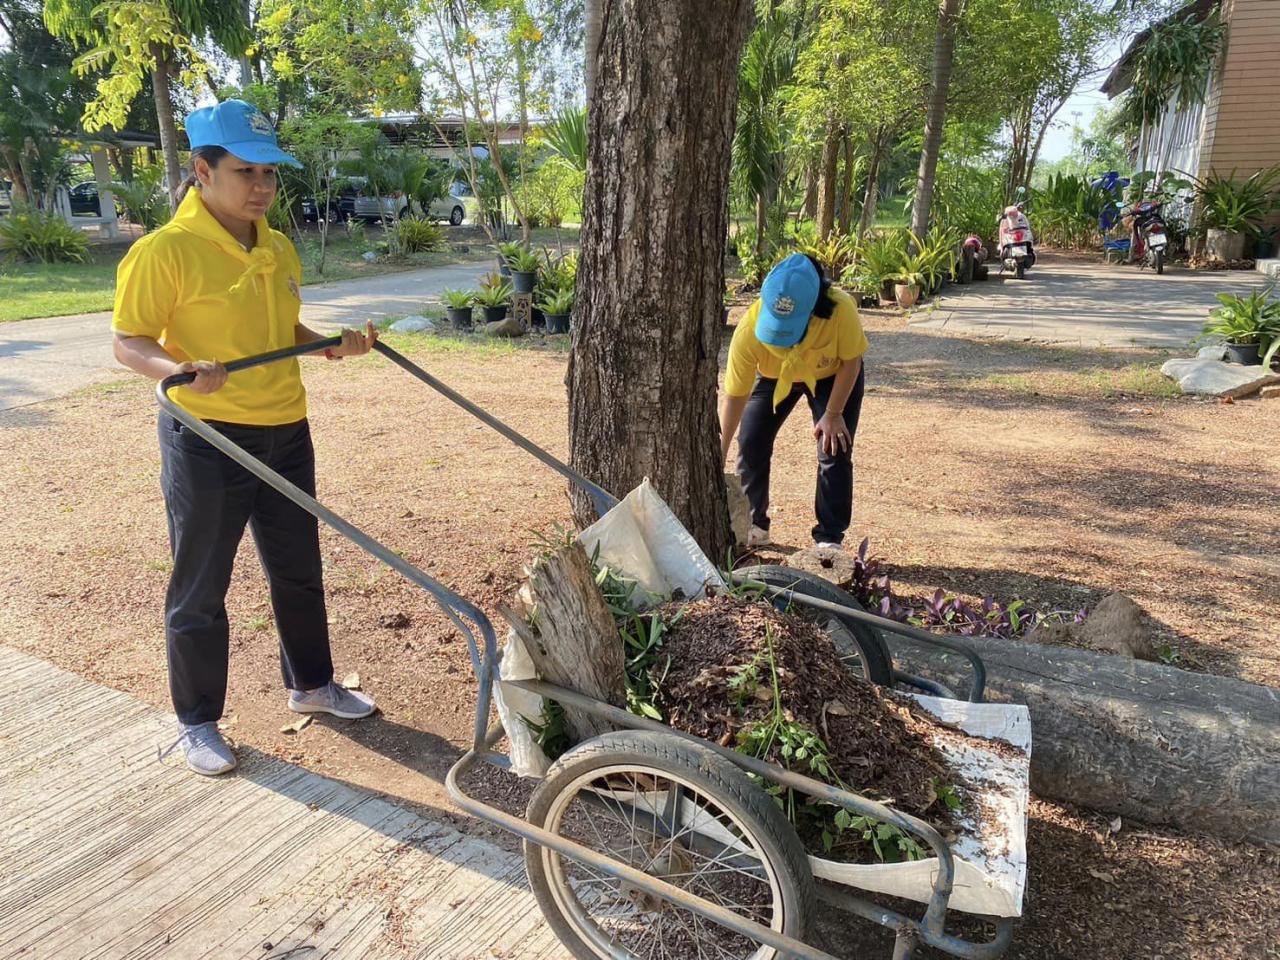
{"type": "Point", "coordinates": [59, 289]}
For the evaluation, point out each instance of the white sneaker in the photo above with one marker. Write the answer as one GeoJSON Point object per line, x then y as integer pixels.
{"type": "Point", "coordinates": [827, 545]}
{"type": "Point", "coordinates": [333, 698]}
{"type": "Point", "coordinates": [758, 537]}
{"type": "Point", "coordinates": [206, 752]}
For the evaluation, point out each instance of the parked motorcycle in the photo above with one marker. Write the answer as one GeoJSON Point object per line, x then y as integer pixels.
{"type": "Point", "coordinates": [1017, 245]}
{"type": "Point", "coordinates": [1150, 236]}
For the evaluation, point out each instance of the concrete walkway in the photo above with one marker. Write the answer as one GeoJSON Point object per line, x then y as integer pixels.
{"type": "Point", "coordinates": [1086, 305]}
{"type": "Point", "coordinates": [108, 853]}
{"type": "Point", "coordinates": [54, 356]}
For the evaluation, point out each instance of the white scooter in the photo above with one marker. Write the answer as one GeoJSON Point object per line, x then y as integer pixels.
{"type": "Point", "coordinates": [1017, 245]}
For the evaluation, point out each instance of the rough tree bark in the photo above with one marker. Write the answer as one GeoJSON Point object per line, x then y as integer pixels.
{"type": "Point", "coordinates": [849, 160]}
{"type": "Point", "coordinates": [1139, 739]}
{"type": "Point", "coordinates": [573, 641]}
{"type": "Point", "coordinates": [592, 17]}
{"type": "Point", "coordinates": [646, 323]}
{"type": "Point", "coordinates": [168, 129]}
{"type": "Point", "coordinates": [944, 49]}
{"type": "Point", "coordinates": [872, 193]}
{"type": "Point", "coordinates": [827, 182]}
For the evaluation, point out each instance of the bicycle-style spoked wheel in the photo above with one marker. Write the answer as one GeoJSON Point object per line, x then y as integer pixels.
{"type": "Point", "coordinates": [677, 811]}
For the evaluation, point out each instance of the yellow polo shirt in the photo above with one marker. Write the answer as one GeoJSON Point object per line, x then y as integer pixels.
{"type": "Point", "coordinates": [827, 344]}
{"type": "Point", "coordinates": [192, 287]}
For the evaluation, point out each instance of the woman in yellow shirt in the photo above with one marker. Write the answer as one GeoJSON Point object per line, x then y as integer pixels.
{"type": "Point", "coordinates": [802, 338]}
{"type": "Point", "coordinates": [217, 283]}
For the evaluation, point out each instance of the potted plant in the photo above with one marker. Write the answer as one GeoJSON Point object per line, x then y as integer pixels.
{"type": "Point", "coordinates": [458, 304]}
{"type": "Point", "coordinates": [1250, 325]}
{"type": "Point", "coordinates": [557, 307]}
{"type": "Point", "coordinates": [524, 270]}
{"type": "Point", "coordinates": [1231, 210]}
{"type": "Point", "coordinates": [505, 252]}
{"type": "Point", "coordinates": [907, 285]}
{"type": "Point", "coordinates": [494, 295]}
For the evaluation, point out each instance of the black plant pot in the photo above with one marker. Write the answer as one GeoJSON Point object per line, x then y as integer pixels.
{"type": "Point", "coordinates": [494, 314]}
{"type": "Point", "coordinates": [887, 294]}
{"type": "Point", "coordinates": [537, 318]}
{"type": "Point", "coordinates": [557, 323]}
{"type": "Point", "coordinates": [460, 317]}
{"type": "Point", "coordinates": [522, 280]}
{"type": "Point", "coordinates": [1245, 353]}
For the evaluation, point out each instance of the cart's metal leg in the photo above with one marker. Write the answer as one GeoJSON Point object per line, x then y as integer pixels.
{"type": "Point", "coordinates": [904, 944]}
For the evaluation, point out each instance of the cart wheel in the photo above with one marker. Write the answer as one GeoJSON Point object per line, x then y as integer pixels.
{"type": "Point", "coordinates": [860, 645]}
{"type": "Point", "coordinates": [676, 810]}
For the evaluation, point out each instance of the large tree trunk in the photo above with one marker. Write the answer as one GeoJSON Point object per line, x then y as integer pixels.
{"type": "Point", "coordinates": [944, 49]}
{"type": "Point", "coordinates": [168, 129]}
{"type": "Point", "coordinates": [809, 207]}
{"type": "Point", "coordinates": [871, 195]}
{"type": "Point", "coordinates": [846, 184]}
{"type": "Point", "coordinates": [1139, 739]}
{"type": "Point", "coordinates": [21, 194]}
{"type": "Point", "coordinates": [762, 224]}
{"type": "Point", "coordinates": [827, 183]}
{"type": "Point", "coordinates": [646, 324]}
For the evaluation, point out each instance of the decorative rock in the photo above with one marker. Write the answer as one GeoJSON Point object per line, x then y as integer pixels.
{"type": "Point", "coordinates": [1270, 393]}
{"type": "Point", "coordinates": [833, 565]}
{"type": "Point", "coordinates": [1116, 625]}
{"type": "Point", "coordinates": [1217, 379]}
{"type": "Point", "coordinates": [510, 327]}
{"type": "Point", "coordinates": [368, 256]}
{"type": "Point", "coordinates": [414, 324]}
{"type": "Point", "coordinates": [1214, 351]}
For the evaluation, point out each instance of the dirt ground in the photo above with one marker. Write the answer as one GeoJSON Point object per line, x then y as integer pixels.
{"type": "Point", "coordinates": [984, 468]}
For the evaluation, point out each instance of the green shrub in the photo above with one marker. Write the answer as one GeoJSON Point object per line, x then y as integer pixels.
{"type": "Point", "coordinates": [494, 291]}
{"type": "Point", "coordinates": [1251, 319]}
{"type": "Point", "coordinates": [418, 236]}
{"type": "Point", "coordinates": [558, 303]}
{"type": "Point", "coordinates": [458, 299]}
{"type": "Point", "coordinates": [836, 254]}
{"type": "Point", "coordinates": [31, 234]}
{"type": "Point", "coordinates": [356, 232]}
{"type": "Point", "coordinates": [1065, 213]}
{"type": "Point", "coordinates": [880, 259]}
{"type": "Point", "coordinates": [558, 274]}
{"type": "Point", "coordinates": [1238, 206]}
{"type": "Point", "coordinates": [143, 198]}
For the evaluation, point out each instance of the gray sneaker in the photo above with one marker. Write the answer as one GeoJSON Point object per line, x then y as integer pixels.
{"type": "Point", "coordinates": [206, 752]}
{"type": "Point", "coordinates": [332, 698]}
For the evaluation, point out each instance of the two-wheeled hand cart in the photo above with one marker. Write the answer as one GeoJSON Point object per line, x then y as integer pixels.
{"type": "Point", "coordinates": [648, 842]}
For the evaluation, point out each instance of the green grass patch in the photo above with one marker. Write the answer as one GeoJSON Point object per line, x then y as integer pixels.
{"type": "Point", "coordinates": [1132, 379]}
{"type": "Point", "coordinates": [57, 289]}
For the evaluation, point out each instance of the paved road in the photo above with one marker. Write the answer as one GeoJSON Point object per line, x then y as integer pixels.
{"type": "Point", "coordinates": [51, 357]}
{"type": "Point", "coordinates": [109, 853]}
{"type": "Point", "coordinates": [1087, 304]}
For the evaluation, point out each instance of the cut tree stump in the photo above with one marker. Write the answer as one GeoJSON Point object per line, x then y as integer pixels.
{"type": "Point", "coordinates": [1139, 739]}
{"type": "Point", "coordinates": [837, 566]}
{"type": "Point", "coordinates": [573, 640]}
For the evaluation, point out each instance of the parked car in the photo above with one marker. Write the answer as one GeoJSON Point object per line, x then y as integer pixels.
{"type": "Point", "coordinates": [84, 199]}
{"type": "Point", "coordinates": [456, 206]}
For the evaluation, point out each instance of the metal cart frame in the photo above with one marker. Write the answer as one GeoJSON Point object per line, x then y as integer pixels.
{"type": "Point", "coordinates": [483, 650]}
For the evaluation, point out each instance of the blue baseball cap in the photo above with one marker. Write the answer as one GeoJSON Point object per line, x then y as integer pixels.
{"type": "Point", "coordinates": [239, 128]}
{"type": "Point", "coordinates": [787, 298]}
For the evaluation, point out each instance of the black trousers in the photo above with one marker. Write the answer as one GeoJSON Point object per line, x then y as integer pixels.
{"type": "Point", "coordinates": [210, 498]}
{"type": "Point", "coordinates": [833, 499]}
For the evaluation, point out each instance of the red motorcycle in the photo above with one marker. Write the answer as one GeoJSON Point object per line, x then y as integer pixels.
{"type": "Point", "coordinates": [1149, 238]}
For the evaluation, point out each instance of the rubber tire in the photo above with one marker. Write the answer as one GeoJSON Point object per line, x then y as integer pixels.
{"type": "Point", "coordinates": [966, 267]}
{"type": "Point", "coordinates": [1159, 256]}
{"type": "Point", "coordinates": [877, 663]}
{"type": "Point", "coordinates": [713, 774]}
{"type": "Point", "coordinates": [456, 216]}
{"type": "Point", "coordinates": [1021, 271]}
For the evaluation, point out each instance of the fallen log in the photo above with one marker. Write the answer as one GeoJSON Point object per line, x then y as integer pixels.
{"type": "Point", "coordinates": [572, 639]}
{"type": "Point", "coordinates": [1128, 737]}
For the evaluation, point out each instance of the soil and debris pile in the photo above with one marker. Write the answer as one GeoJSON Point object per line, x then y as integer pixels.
{"type": "Point", "coordinates": [740, 673]}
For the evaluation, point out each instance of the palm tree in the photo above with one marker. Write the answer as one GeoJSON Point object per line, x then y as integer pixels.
{"type": "Point", "coordinates": [567, 136]}
{"type": "Point", "coordinates": [944, 50]}
{"type": "Point", "coordinates": [120, 37]}
{"type": "Point", "coordinates": [759, 142]}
